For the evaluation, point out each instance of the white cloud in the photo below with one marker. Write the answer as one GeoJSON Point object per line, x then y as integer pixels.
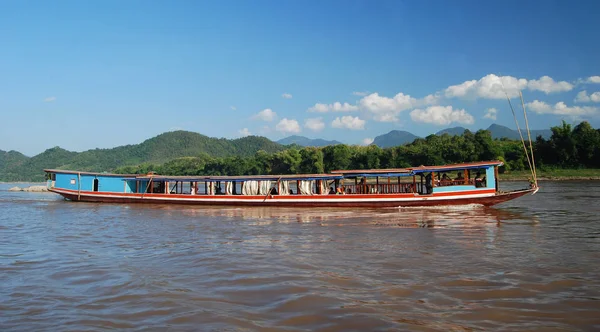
{"type": "Point", "coordinates": [367, 141]}
{"type": "Point", "coordinates": [233, 108]}
{"type": "Point", "coordinates": [348, 122]}
{"type": "Point", "coordinates": [489, 86]}
{"type": "Point", "coordinates": [538, 106]}
{"type": "Point", "coordinates": [490, 113]}
{"type": "Point", "coordinates": [493, 87]}
{"type": "Point", "coordinates": [360, 93]}
{"type": "Point", "coordinates": [593, 79]}
{"type": "Point", "coordinates": [244, 132]}
{"type": "Point", "coordinates": [430, 99]}
{"type": "Point", "coordinates": [286, 96]}
{"type": "Point", "coordinates": [560, 108]}
{"type": "Point", "coordinates": [288, 126]}
{"type": "Point", "coordinates": [386, 109]}
{"type": "Point", "coordinates": [583, 97]}
{"type": "Point", "coordinates": [441, 115]}
{"type": "Point", "coordinates": [547, 85]}
{"type": "Point", "coordinates": [265, 115]}
{"type": "Point", "coordinates": [335, 107]}
{"type": "Point", "coordinates": [49, 99]}
{"type": "Point", "coordinates": [314, 124]}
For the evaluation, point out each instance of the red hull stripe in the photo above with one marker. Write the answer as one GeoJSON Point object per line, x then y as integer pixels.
{"type": "Point", "coordinates": [482, 196]}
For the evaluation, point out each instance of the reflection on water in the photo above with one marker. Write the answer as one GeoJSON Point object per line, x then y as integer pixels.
{"type": "Point", "coordinates": [530, 264]}
{"type": "Point", "coordinates": [441, 216]}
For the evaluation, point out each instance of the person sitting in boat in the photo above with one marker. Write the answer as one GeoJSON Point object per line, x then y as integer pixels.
{"type": "Point", "coordinates": [477, 179]}
{"type": "Point", "coordinates": [459, 177]}
{"type": "Point", "coordinates": [445, 180]}
{"type": "Point", "coordinates": [363, 188]}
{"type": "Point", "coordinates": [340, 191]}
{"type": "Point", "coordinates": [291, 191]}
{"type": "Point", "coordinates": [331, 191]}
{"type": "Point", "coordinates": [273, 191]}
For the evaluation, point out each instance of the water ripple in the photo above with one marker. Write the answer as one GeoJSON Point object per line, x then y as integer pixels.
{"type": "Point", "coordinates": [528, 265]}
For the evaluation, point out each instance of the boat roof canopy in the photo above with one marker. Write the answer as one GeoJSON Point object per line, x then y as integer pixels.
{"type": "Point", "coordinates": [388, 172]}
{"type": "Point", "coordinates": [415, 170]}
{"type": "Point", "coordinates": [456, 167]}
{"type": "Point", "coordinates": [240, 178]}
{"type": "Point", "coordinates": [63, 171]}
{"type": "Point", "coordinates": [335, 175]}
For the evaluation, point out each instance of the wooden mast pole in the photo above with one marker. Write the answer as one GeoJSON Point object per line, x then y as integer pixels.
{"type": "Point", "coordinates": [78, 186]}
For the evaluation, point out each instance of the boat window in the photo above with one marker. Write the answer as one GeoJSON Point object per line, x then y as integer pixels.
{"type": "Point", "coordinates": [377, 185]}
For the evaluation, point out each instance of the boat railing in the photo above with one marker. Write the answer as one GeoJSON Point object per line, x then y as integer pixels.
{"type": "Point", "coordinates": [457, 182]}
{"type": "Point", "coordinates": [379, 188]}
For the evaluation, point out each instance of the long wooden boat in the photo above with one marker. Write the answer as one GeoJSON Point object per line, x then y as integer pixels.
{"type": "Point", "coordinates": [457, 184]}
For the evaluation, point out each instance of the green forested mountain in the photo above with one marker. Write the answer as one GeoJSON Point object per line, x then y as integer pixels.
{"type": "Point", "coordinates": [568, 147]}
{"type": "Point", "coordinates": [394, 138]}
{"type": "Point", "coordinates": [187, 153]}
{"type": "Point", "coordinates": [160, 149]}
{"type": "Point", "coordinates": [11, 158]}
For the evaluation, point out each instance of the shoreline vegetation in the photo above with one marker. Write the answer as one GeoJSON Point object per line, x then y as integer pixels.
{"type": "Point", "coordinates": [571, 153]}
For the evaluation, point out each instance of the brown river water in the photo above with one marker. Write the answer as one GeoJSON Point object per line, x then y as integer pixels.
{"type": "Point", "coordinates": [528, 265]}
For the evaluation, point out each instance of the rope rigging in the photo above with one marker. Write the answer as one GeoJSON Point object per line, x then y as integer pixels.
{"type": "Point", "coordinates": [528, 154]}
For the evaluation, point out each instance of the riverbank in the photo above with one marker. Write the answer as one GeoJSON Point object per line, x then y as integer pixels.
{"type": "Point", "coordinates": [553, 175]}
{"type": "Point", "coordinates": [36, 189]}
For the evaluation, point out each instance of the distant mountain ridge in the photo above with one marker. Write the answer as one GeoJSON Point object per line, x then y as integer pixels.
{"type": "Point", "coordinates": [394, 138]}
{"type": "Point", "coordinates": [159, 149]}
{"type": "Point", "coordinates": [452, 131]}
{"type": "Point", "coordinates": [397, 137]}
{"type": "Point", "coordinates": [14, 166]}
{"type": "Point", "coordinates": [499, 131]}
{"type": "Point", "coordinates": [305, 141]}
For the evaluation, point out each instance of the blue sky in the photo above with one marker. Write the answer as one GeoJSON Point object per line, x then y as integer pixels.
{"type": "Point", "coordinates": [98, 74]}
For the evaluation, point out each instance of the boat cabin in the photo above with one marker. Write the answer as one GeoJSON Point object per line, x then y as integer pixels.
{"type": "Point", "coordinates": [422, 180]}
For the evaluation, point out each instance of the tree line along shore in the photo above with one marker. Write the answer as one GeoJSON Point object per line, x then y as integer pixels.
{"type": "Point", "coordinates": [571, 152]}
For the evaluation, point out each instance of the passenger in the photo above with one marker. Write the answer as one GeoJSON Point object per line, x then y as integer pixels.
{"type": "Point", "coordinates": [291, 192]}
{"type": "Point", "coordinates": [445, 177]}
{"type": "Point", "coordinates": [477, 179]}
{"type": "Point", "coordinates": [273, 191]}
{"type": "Point", "coordinates": [340, 191]}
{"type": "Point", "coordinates": [362, 188]}
{"type": "Point", "coordinates": [331, 191]}
{"type": "Point", "coordinates": [428, 184]}
{"type": "Point", "coordinates": [459, 177]}
{"type": "Point", "coordinates": [349, 191]}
